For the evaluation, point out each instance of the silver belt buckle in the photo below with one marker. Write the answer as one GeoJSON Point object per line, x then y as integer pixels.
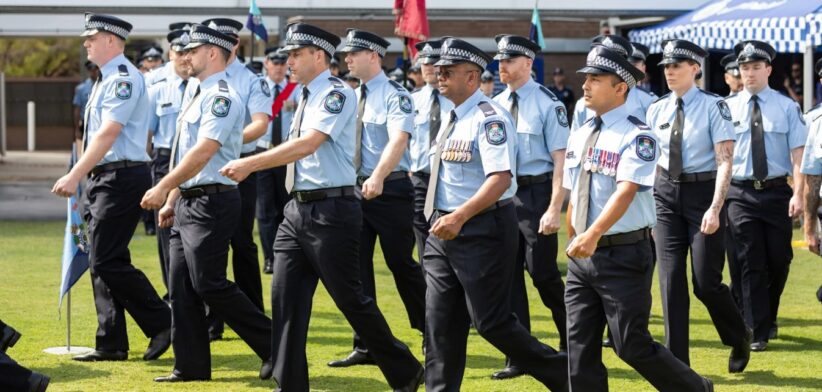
{"type": "Point", "coordinates": [759, 185]}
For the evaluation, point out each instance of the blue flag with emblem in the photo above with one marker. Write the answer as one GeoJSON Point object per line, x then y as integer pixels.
{"type": "Point", "coordinates": [255, 21]}
{"type": "Point", "coordinates": [75, 242]}
{"type": "Point", "coordinates": [536, 29]}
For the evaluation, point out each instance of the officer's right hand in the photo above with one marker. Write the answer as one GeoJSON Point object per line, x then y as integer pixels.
{"type": "Point", "coordinates": [166, 216]}
{"type": "Point", "coordinates": [582, 246]}
{"type": "Point", "coordinates": [812, 240]}
{"type": "Point", "coordinates": [65, 186]}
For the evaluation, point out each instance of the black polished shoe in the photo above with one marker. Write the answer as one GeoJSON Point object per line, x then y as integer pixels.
{"type": "Point", "coordinates": [508, 372]}
{"type": "Point", "coordinates": [353, 359]}
{"type": "Point", "coordinates": [175, 378]}
{"type": "Point", "coordinates": [773, 333]}
{"type": "Point", "coordinates": [268, 268]}
{"type": "Point", "coordinates": [741, 354]}
{"type": "Point", "coordinates": [708, 384]}
{"type": "Point", "coordinates": [8, 338]}
{"type": "Point", "coordinates": [97, 355]}
{"type": "Point", "coordinates": [267, 370]}
{"type": "Point", "coordinates": [759, 346]}
{"type": "Point", "coordinates": [415, 383]}
{"type": "Point", "coordinates": [607, 343]}
{"type": "Point", "coordinates": [37, 382]}
{"type": "Point", "coordinates": [158, 345]}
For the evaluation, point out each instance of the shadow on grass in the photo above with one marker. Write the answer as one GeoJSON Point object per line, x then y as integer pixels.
{"type": "Point", "coordinates": [767, 378]}
{"type": "Point", "coordinates": [69, 371]}
{"type": "Point", "coordinates": [348, 383]}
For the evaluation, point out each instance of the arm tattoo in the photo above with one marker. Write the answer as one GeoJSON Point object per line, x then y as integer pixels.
{"type": "Point", "coordinates": [812, 183]}
{"type": "Point", "coordinates": [724, 152]}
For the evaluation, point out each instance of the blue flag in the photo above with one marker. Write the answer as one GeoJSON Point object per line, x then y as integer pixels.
{"type": "Point", "coordinates": [536, 29]}
{"type": "Point", "coordinates": [75, 243]}
{"type": "Point", "coordinates": [255, 21]}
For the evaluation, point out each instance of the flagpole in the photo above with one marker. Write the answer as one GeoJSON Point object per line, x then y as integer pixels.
{"type": "Point", "coordinates": [68, 321]}
{"type": "Point", "coordinates": [405, 62]}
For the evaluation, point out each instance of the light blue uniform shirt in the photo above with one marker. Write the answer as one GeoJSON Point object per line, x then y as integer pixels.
{"type": "Point", "coordinates": [636, 146]}
{"type": "Point", "coordinates": [331, 108]}
{"type": "Point", "coordinates": [542, 127]}
{"type": "Point", "coordinates": [286, 113]}
{"type": "Point", "coordinates": [159, 73]}
{"type": "Point", "coordinates": [479, 146]}
{"type": "Point", "coordinates": [165, 98]}
{"type": "Point", "coordinates": [420, 146]}
{"type": "Point", "coordinates": [637, 103]}
{"type": "Point", "coordinates": [812, 156]}
{"type": "Point", "coordinates": [707, 122]}
{"type": "Point", "coordinates": [784, 130]}
{"type": "Point", "coordinates": [81, 93]}
{"type": "Point", "coordinates": [120, 97]}
{"type": "Point", "coordinates": [214, 114]}
{"type": "Point", "coordinates": [388, 109]}
{"type": "Point", "coordinates": [254, 93]}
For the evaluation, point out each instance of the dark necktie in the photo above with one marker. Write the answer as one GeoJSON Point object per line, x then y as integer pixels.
{"type": "Point", "coordinates": [277, 122]}
{"type": "Point", "coordinates": [760, 158]}
{"type": "Point", "coordinates": [514, 108]}
{"type": "Point", "coordinates": [88, 103]}
{"type": "Point", "coordinates": [294, 133]}
{"type": "Point", "coordinates": [584, 183]}
{"type": "Point", "coordinates": [675, 153]}
{"type": "Point", "coordinates": [434, 120]}
{"type": "Point", "coordinates": [431, 193]}
{"type": "Point", "coordinates": [358, 140]}
{"type": "Point", "coordinates": [176, 143]}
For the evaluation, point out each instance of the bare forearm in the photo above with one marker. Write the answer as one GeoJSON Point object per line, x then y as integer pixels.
{"type": "Point", "coordinates": [812, 183]}
{"type": "Point", "coordinates": [489, 193]}
{"type": "Point", "coordinates": [798, 177]}
{"type": "Point", "coordinates": [255, 129]}
{"type": "Point", "coordinates": [391, 155]}
{"type": "Point", "coordinates": [724, 152]}
{"type": "Point", "coordinates": [615, 208]}
{"type": "Point", "coordinates": [287, 152]}
{"type": "Point", "coordinates": [557, 191]}
{"type": "Point", "coordinates": [97, 148]}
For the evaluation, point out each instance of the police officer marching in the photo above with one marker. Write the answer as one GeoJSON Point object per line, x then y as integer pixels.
{"type": "Point", "coordinates": [770, 139]}
{"type": "Point", "coordinates": [115, 137]}
{"type": "Point", "coordinates": [609, 169]}
{"type": "Point", "coordinates": [696, 141]}
{"type": "Point", "coordinates": [468, 258]}
{"type": "Point", "coordinates": [385, 120]}
{"type": "Point", "coordinates": [319, 237]}
{"type": "Point", "coordinates": [541, 124]}
{"type": "Point", "coordinates": [732, 77]}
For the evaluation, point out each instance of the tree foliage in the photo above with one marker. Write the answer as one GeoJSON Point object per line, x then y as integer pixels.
{"type": "Point", "coordinates": [41, 57]}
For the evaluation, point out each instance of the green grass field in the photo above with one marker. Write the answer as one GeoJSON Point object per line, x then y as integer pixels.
{"type": "Point", "coordinates": [29, 284]}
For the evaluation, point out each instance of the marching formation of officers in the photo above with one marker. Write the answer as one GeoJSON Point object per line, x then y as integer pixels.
{"type": "Point", "coordinates": [476, 183]}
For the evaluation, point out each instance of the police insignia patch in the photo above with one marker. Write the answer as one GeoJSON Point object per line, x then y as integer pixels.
{"type": "Point", "coordinates": [724, 110]}
{"type": "Point", "coordinates": [221, 106]}
{"type": "Point", "coordinates": [334, 102]}
{"type": "Point", "coordinates": [265, 88]}
{"type": "Point", "coordinates": [123, 90]}
{"type": "Point", "coordinates": [645, 148]}
{"type": "Point", "coordinates": [562, 116]}
{"type": "Point", "coordinates": [495, 132]}
{"type": "Point", "coordinates": [405, 104]}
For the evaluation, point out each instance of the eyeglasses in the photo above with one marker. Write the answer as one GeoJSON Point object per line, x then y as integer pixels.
{"type": "Point", "coordinates": [448, 73]}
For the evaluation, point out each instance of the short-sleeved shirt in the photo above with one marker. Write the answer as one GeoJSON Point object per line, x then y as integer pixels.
{"type": "Point", "coordinates": [784, 128]}
{"type": "Point", "coordinates": [81, 93]}
{"type": "Point", "coordinates": [420, 145]}
{"type": "Point", "coordinates": [637, 104]}
{"type": "Point", "coordinates": [630, 151]}
{"type": "Point", "coordinates": [812, 156]}
{"type": "Point", "coordinates": [707, 122]}
{"type": "Point", "coordinates": [480, 144]}
{"type": "Point", "coordinates": [165, 97]}
{"type": "Point", "coordinates": [331, 108]}
{"type": "Point", "coordinates": [388, 109]}
{"type": "Point", "coordinates": [286, 113]}
{"type": "Point", "coordinates": [120, 97]}
{"type": "Point", "coordinates": [542, 127]}
{"type": "Point", "coordinates": [213, 114]}
{"type": "Point", "coordinates": [254, 92]}
{"type": "Point", "coordinates": [159, 73]}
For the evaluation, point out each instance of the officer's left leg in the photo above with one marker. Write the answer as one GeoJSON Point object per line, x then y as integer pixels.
{"type": "Point", "coordinates": [266, 214]}
{"type": "Point", "coordinates": [586, 323]}
{"type": "Point", "coordinates": [244, 251]}
{"type": "Point", "coordinates": [779, 231]}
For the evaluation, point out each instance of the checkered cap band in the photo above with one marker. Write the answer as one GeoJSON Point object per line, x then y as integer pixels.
{"type": "Point", "coordinates": [680, 52]}
{"type": "Point", "coordinates": [463, 55]}
{"type": "Point", "coordinates": [516, 48]}
{"type": "Point", "coordinates": [225, 29]}
{"type": "Point", "coordinates": [100, 25]}
{"type": "Point", "coordinates": [197, 36]}
{"type": "Point", "coordinates": [362, 43]}
{"type": "Point", "coordinates": [602, 62]}
{"type": "Point", "coordinates": [300, 38]}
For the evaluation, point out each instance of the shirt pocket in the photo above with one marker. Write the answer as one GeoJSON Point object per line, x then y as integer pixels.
{"type": "Point", "coordinates": [166, 109]}
{"type": "Point", "coordinates": [374, 125]}
{"type": "Point", "coordinates": [528, 138]}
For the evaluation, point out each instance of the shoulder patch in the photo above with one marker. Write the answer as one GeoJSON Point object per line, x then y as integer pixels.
{"type": "Point", "coordinates": [123, 69]}
{"type": "Point", "coordinates": [661, 98]}
{"type": "Point", "coordinates": [645, 147]}
{"type": "Point", "coordinates": [724, 110]}
{"type": "Point", "coordinates": [548, 92]}
{"type": "Point", "coordinates": [709, 93]}
{"type": "Point", "coordinates": [265, 88]}
{"type": "Point", "coordinates": [487, 109]}
{"type": "Point", "coordinates": [336, 82]}
{"type": "Point", "coordinates": [495, 132]}
{"type": "Point", "coordinates": [397, 86]}
{"type": "Point", "coordinates": [799, 113]}
{"type": "Point", "coordinates": [221, 106]}
{"type": "Point", "coordinates": [562, 116]}
{"type": "Point", "coordinates": [223, 86]}
{"type": "Point", "coordinates": [122, 89]}
{"type": "Point", "coordinates": [334, 102]}
{"type": "Point", "coordinates": [639, 124]}
{"type": "Point", "coordinates": [405, 103]}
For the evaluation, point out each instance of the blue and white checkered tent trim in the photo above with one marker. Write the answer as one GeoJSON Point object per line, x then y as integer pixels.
{"type": "Point", "coordinates": [786, 24]}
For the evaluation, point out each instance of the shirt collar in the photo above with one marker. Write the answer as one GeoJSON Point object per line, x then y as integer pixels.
{"type": "Point", "coordinates": [617, 114]}
{"type": "Point", "coordinates": [112, 65]}
{"type": "Point", "coordinates": [469, 104]}
{"type": "Point", "coordinates": [211, 80]}
{"type": "Point", "coordinates": [377, 80]}
{"type": "Point", "coordinates": [234, 66]}
{"type": "Point", "coordinates": [762, 95]}
{"type": "Point", "coordinates": [688, 97]}
{"type": "Point", "coordinates": [526, 89]}
{"type": "Point", "coordinates": [316, 83]}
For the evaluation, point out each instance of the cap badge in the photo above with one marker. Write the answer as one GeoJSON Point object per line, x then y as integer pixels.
{"type": "Point", "coordinates": [669, 48]}
{"type": "Point", "coordinates": [749, 49]}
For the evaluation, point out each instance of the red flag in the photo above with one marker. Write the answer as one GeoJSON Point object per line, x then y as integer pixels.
{"type": "Point", "coordinates": [411, 22]}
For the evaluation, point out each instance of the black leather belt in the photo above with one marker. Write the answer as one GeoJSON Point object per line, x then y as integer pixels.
{"type": "Point", "coordinates": [495, 206]}
{"type": "Point", "coordinates": [202, 190]}
{"type": "Point", "coordinates": [629, 238]}
{"type": "Point", "coordinates": [533, 180]}
{"type": "Point", "coordinates": [760, 185]}
{"type": "Point", "coordinates": [391, 177]}
{"type": "Point", "coordinates": [322, 194]}
{"type": "Point", "coordinates": [691, 177]}
{"type": "Point", "coordinates": [163, 152]}
{"type": "Point", "coordinates": [116, 165]}
{"type": "Point", "coordinates": [422, 175]}
{"type": "Point", "coordinates": [248, 154]}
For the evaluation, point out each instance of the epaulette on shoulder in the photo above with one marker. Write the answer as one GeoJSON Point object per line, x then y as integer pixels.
{"type": "Point", "coordinates": [639, 124]}
{"type": "Point", "coordinates": [660, 98]}
{"type": "Point", "coordinates": [250, 68]}
{"type": "Point", "coordinates": [709, 93]}
{"type": "Point", "coordinates": [487, 109]}
{"type": "Point", "coordinates": [223, 85]}
{"type": "Point", "coordinates": [817, 117]}
{"type": "Point", "coordinates": [548, 92]}
{"type": "Point", "coordinates": [123, 69]}
{"type": "Point", "coordinates": [336, 82]}
{"type": "Point", "coordinates": [397, 86]}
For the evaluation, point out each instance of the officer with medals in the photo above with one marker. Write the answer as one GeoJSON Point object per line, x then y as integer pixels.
{"type": "Point", "coordinates": [609, 169]}
{"type": "Point", "coordinates": [385, 120]}
{"type": "Point", "coordinates": [255, 98]}
{"type": "Point", "coordinates": [770, 140]}
{"type": "Point", "coordinates": [319, 237]}
{"type": "Point", "coordinates": [271, 193]}
{"type": "Point", "coordinates": [541, 124]}
{"type": "Point", "coordinates": [204, 208]}
{"type": "Point", "coordinates": [115, 137]}
{"type": "Point", "coordinates": [165, 98]}
{"type": "Point", "coordinates": [431, 108]}
{"type": "Point", "coordinates": [468, 256]}
{"type": "Point", "coordinates": [638, 99]}
{"type": "Point", "coordinates": [696, 142]}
